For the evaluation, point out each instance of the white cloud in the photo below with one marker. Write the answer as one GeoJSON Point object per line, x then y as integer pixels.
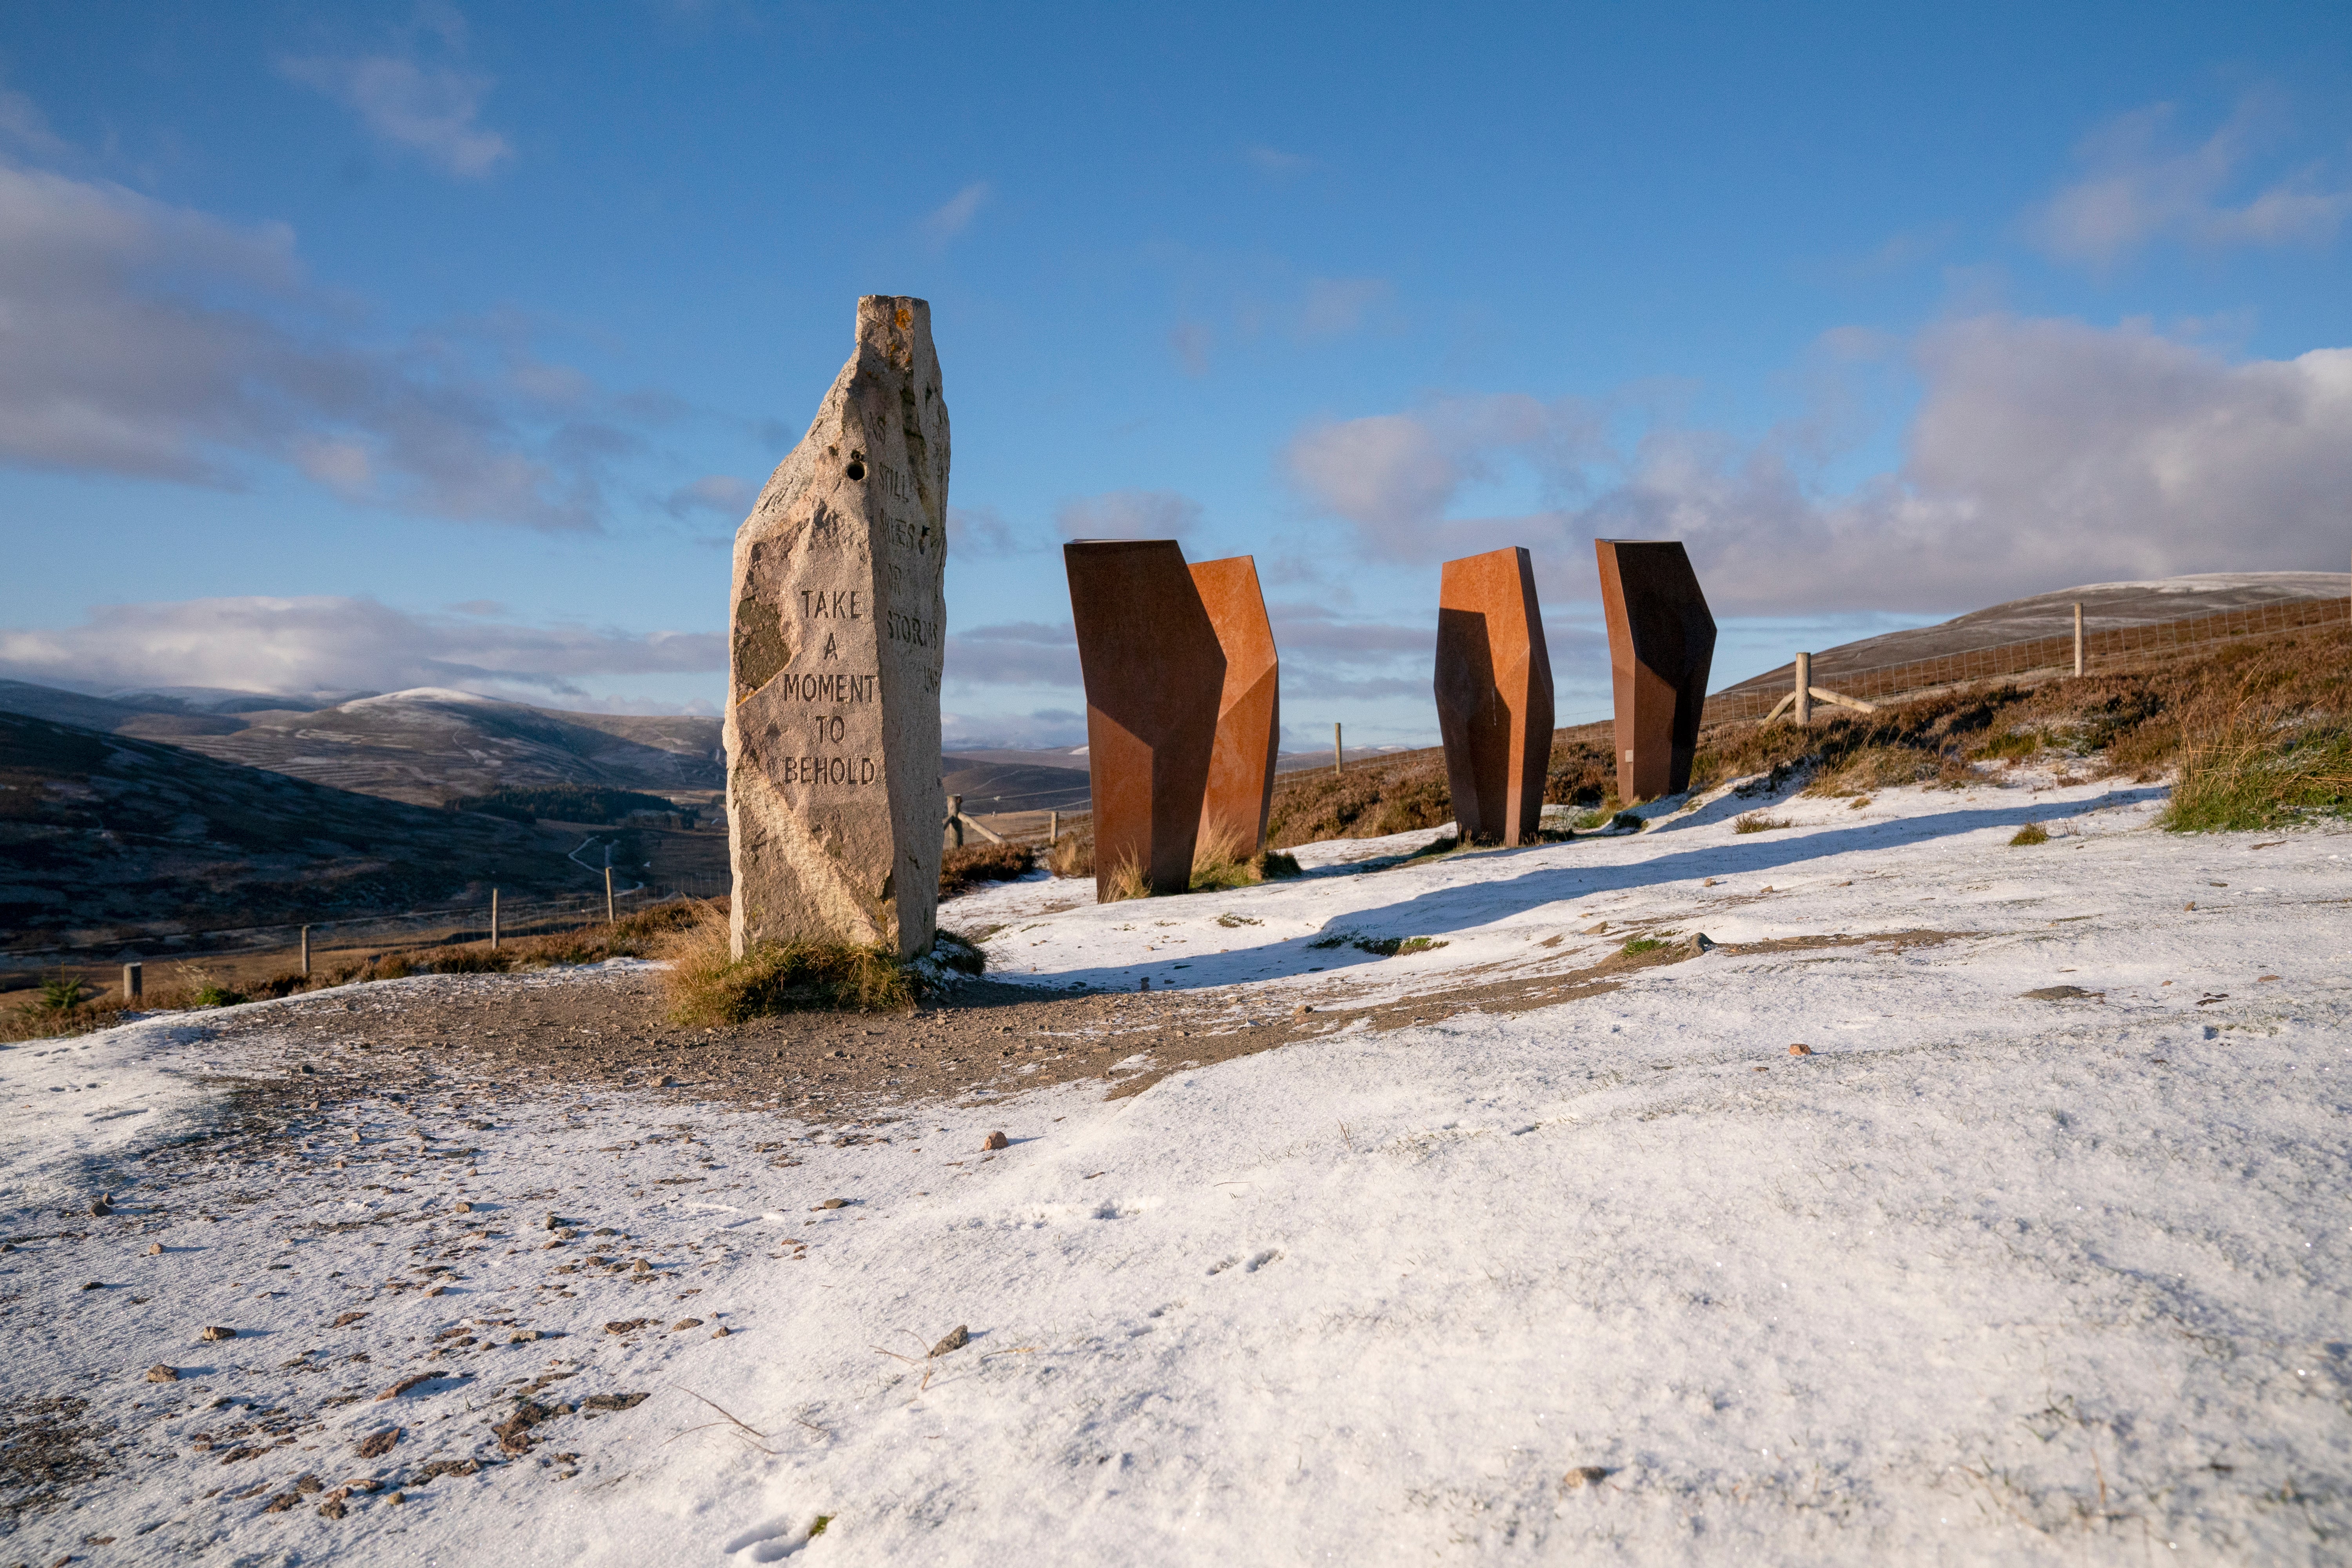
{"type": "Point", "coordinates": [1337, 306]}
{"type": "Point", "coordinates": [2043, 454]}
{"type": "Point", "coordinates": [1022, 653]}
{"type": "Point", "coordinates": [2136, 188]}
{"type": "Point", "coordinates": [954, 215]}
{"type": "Point", "coordinates": [300, 645]}
{"type": "Point", "coordinates": [1274, 161]}
{"type": "Point", "coordinates": [1128, 514]}
{"type": "Point", "coordinates": [1188, 341]}
{"type": "Point", "coordinates": [430, 108]}
{"type": "Point", "coordinates": [158, 341]}
{"type": "Point", "coordinates": [981, 530]}
{"type": "Point", "coordinates": [721, 493]}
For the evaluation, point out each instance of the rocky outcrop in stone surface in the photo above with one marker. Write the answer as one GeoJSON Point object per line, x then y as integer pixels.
{"type": "Point", "coordinates": [832, 717]}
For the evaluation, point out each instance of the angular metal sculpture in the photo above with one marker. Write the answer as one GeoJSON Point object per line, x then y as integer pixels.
{"type": "Point", "coordinates": [1661, 646]}
{"type": "Point", "coordinates": [1154, 673]}
{"type": "Point", "coordinates": [1249, 711]}
{"type": "Point", "coordinates": [833, 712]}
{"type": "Point", "coordinates": [1494, 695]}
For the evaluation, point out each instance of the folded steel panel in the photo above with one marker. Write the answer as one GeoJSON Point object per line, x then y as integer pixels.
{"type": "Point", "coordinates": [1154, 674]}
{"type": "Point", "coordinates": [1661, 646]}
{"type": "Point", "coordinates": [1494, 695]}
{"type": "Point", "coordinates": [1249, 711]}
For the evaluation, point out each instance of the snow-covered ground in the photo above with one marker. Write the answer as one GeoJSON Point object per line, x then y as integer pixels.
{"type": "Point", "coordinates": [2042, 1255]}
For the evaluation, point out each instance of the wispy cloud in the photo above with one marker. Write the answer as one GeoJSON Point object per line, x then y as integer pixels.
{"type": "Point", "coordinates": [429, 107]}
{"type": "Point", "coordinates": [1189, 342]}
{"type": "Point", "coordinates": [309, 644]}
{"type": "Point", "coordinates": [721, 493]}
{"type": "Point", "coordinates": [2043, 454]}
{"type": "Point", "coordinates": [2139, 184]}
{"type": "Point", "coordinates": [1020, 652]}
{"type": "Point", "coordinates": [954, 215]}
{"type": "Point", "coordinates": [161, 342]}
{"type": "Point", "coordinates": [1128, 514]}
{"type": "Point", "coordinates": [981, 530]}
{"type": "Point", "coordinates": [1274, 161]}
{"type": "Point", "coordinates": [1337, 306]}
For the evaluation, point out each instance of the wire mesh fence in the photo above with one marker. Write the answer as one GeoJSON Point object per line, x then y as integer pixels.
{"type": "Point", "coordinates": [2036, 655]}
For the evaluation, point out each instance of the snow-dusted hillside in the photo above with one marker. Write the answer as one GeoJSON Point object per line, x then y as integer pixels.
{"type": "Point", "coordinates": [2041, 1255]}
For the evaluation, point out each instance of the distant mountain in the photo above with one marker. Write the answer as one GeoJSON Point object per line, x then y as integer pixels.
{"type": "Point", "coordinates": [422, 746]}
{"type": "Point", "coordinates": [105, 838]}
{"type": "Point", "coordinates": [2105, 605]}
{"type": "Point", "coordinates": [988, 788]}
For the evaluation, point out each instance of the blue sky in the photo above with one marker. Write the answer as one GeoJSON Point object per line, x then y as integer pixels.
{"type": "Point", "coordinates": [368, 346]}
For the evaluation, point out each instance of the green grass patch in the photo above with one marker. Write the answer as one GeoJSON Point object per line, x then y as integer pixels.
{"type": "Point", "coordinates": [2030, 834]}
{"type": "Point", "coordinates": [2250, 774]}
{"type": "Point", "coordinates": [1642, 944]}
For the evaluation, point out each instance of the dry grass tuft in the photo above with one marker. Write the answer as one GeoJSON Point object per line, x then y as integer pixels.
{"type": "Point", "coordinates": [706, 983]}
{"type": "Point", "coordinates": [2025, 837]}
{"type": "Point", "coordinates": [1757, 822]}
{"type": "Point", "coordinates": [1071, 856]}
{"type": "Point", "coordinates": [2261, 766]}
{"type": "Point", "coordinates": [1128, 880]}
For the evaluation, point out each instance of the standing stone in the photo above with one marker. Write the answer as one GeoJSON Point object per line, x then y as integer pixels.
{"type": "Point", "coordinates": [832, 717]}
{"type": "Point", "coordinates": [1249, 713]}
{"type": "Point", "coordinates": [1661, 647]}
{"type": "Point", "coordinates": [1494, 695]}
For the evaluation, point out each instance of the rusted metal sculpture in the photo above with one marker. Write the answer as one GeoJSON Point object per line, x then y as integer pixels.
{"type": "Point", "coordinates": [1249, 711]}
{"type": "Point", "coordinates": [1660, 644]}
{"type": "Point", "coordinates": [1154, 673]}
{"type": "Point", "coordinates": [1494, 695]}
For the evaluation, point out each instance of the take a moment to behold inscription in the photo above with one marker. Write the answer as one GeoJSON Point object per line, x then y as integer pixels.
{"type": "Point", "coordinates": [1661, 647]}
{"type": "Point", "coordinates": [1154, 674]}
{"type": "Point", "coordinates": [1494, 695]}
{"type": "Point", "coordinates": [833, 712]}
{"type": "Point", "coordinates": [1240, 796]}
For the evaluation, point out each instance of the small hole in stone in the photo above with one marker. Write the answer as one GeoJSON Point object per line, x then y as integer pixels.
{"type": "Point", "coordinates": [856, 471]}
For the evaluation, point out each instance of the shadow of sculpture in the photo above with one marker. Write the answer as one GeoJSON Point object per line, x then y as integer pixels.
{"type": "Point", "coordinates": [1661, 645]}
{"type": "Point", "coordinates": [1494, 695]}
{"type": "Point", "coordinates": [1154, 674]}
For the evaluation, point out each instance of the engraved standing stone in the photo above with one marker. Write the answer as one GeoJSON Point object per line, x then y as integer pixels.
{"type": "Point", "coordinates": [832, 717]}
{"type": "Point", "coordinates": [1154, 674]}
{"type": "Point", "coordinates": [1494, 695]}
{"type": "Point", "coordinates": [1249, 713]}
{"type": "Point", "coordinates": [1661, 646]}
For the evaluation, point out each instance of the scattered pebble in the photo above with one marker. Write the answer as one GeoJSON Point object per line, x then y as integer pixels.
{"type": "Point", "coordinates": [719, 1332]}
{"type": "Point", "coordinates": [100, 1206]}
{"type": "Point", "coordinates": [163, 1373]}
{"type": "Point", "coordinates": [834, 1203]}
{"type": "Point", "coordinates": [154, 1250]}
{"type": "Point", "coordinates": [997, 1141]}
{"type": "Point", "coordinates": [685, 1323]}
{"type": "Point", "coordinates": [376, 1445]}
{"type": "Point", "coordinates": [1583, 1476]}
{"type": "Point", "coordinates": [93, 1285]}
{"type": "Point", "coordinates": [1801, 1050]}
{"type": "Point", "coordinates": [217, 1333]}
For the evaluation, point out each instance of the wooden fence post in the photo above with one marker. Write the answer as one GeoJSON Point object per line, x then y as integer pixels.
{"type": "Point", "coordinates": [306, 952]}
{"type": "Point", "coordinates": [608, 895]}
{"type": "Point", "coordinates": [1336, 753]}
{"type": "Point", "coordinates": [2078, 639]}
{"type": "Point", "coordinates": [494, 919]}
{"type": "Point", "coordinates": [133, 982]}
{"type": "Point", "coordinates": [1804, 689]}
{"type": "Point", "coordinates": [1053, 827]}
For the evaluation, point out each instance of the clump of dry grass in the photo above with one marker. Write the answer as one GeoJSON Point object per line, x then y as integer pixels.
{"type": "Point", "coordinates": [2025, 837]}
{"type": "Point", "coordinates": [962, 867]}
{"type": "Point", "coordinates": [1757, 822]}
{"type": "Point", "coordinates": [1073, 854]}
{"type": "Point", "coordinates": [2259, 767]}
{"type": "Point", "coordinates": [706, 983]}
{"type": "Point", "coordinates": [1128, 880]}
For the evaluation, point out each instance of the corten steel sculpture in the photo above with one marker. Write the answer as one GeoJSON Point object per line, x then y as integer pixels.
{"type": "Point", "coordinates": [1661, 645]}
{"type": "Point", "coordinates": [1153, 673]}
{"type": "Point", "coordinates": [832, 717]}
{"type": "Point", "coordinates": [1494, 695]}
{"type": "Point", "coordinates": [1249, 711]}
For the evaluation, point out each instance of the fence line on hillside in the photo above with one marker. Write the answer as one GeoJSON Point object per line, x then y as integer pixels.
{"type": "Point", "coordinates": [2036, 655]}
